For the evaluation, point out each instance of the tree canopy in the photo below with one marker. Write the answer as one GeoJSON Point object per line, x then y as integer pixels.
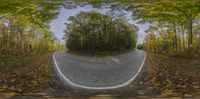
{"type": "Point", "coordinates": [24, 26]}
{"type": "Point", "coordinates": [92, 31]}
{"type": "Point", "coordinates": [175, 18]}
{"type": "Point", "coordinates": [174, 23]}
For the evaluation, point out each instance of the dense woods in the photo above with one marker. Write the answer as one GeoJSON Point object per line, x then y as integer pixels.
{"type": "Point", "coordinates": [26, 45]}
{"type": "Point", "coordinates": [174, 25]}
{"type": "Point", "coordinates": [24, 26]}
{"type": "Point", "coordinates": [172, 43]}
{"type": "Point", "coordinates": [91, 31]}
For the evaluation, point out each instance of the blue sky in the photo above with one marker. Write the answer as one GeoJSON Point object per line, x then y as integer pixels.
{"type": "Point", "coordinates": [58, 25]}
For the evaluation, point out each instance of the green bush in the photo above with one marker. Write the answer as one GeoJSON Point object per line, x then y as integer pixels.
{"type": "Point", "coordinates": [140, 46]}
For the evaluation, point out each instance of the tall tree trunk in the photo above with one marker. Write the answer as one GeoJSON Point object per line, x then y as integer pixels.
{"type": "Point", "coordinates": [190, 35]}
{"type": "Point", "coordinates": [175, 36]}
{"type": "Point", "coordinates": [179, 39]}
{"type": "Point", "coordinates": [183, 36]}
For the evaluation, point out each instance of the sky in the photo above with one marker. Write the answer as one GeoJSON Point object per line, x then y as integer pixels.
{"type": "Point", "coordinates": [58, 25]}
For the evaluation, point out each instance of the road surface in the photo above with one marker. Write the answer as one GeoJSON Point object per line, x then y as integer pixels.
{"type": "Point", "coordinates": [108, 72]}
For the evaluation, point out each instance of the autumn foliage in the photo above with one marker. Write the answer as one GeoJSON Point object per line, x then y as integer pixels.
{"type": "Point", "coordinates": [174, 76]}
{"type": "Point", "coordinates": [30, 77]}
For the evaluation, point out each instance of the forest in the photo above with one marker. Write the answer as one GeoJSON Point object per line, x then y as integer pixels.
{"type": "Point", "coordinates": [174, 25]}
{"type": "Point", "coordinates": [26, 44]}
{"type": "Point", "coordinates": [92, 31]}
{"type": "Point", "coordinates": [172, 44]}
{"type": "Point", "coordinates": [24, 27]}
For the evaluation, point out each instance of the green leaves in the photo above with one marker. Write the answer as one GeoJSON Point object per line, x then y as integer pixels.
{"type": "Point", "coordinates": [24, 26]}
{"type": "Point", "coordinates": [91, 31]}
{"type": "Point", "coordinates": [177, 17]}
{"type": "Point", "coordinates": [33, 10]}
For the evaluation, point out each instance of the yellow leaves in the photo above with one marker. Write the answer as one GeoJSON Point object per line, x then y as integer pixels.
{"type": "Point", "coordinates": [28, 78]}
{"type": "Point", "coordinates": [4, 86]}
{"type": "Point", "coordinates": [197, 87]}
{"type": "Point", "coordinates": [34, 82]}
{"type": "Point", "coordinates": [13, 80]}
{"type": "Point", "coordinates": [9, 94]}
{"type": "Point", "coordinates": [19, 89]}
{"type": "Point", "coordinates": [168, 77]}
{"type": "Point", "coordinates": [166, 92]}
{"type": "Point", "coordinates": [183, 86]}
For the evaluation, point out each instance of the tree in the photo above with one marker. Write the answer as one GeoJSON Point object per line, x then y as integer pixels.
{"type": "Point", "coordinates": [24, 27]}
{"type": "Point", "coordinates": [91, 31]}
{"type": "Point", "coordinates": [176, 16]}
{"type": "Point", "coordinates": [140, 46]}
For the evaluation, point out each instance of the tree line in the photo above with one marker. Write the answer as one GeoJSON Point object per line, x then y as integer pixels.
{"type": "Point", "coordinates": [92, 31]}
{"type": "Point", "coordinates": [174, 25]}
{"type": "Point", "coordinates": [24, 26]}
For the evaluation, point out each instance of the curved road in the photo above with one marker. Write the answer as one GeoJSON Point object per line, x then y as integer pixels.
{"type": "Point", "coordinates": [99, 72]}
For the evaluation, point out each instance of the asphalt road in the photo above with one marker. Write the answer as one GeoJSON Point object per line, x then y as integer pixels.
{"type": "Point", "coordinates": [99, 72]}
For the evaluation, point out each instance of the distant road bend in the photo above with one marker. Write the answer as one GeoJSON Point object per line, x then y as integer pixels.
{"type": "Point", "coordinates": [109, 72]}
